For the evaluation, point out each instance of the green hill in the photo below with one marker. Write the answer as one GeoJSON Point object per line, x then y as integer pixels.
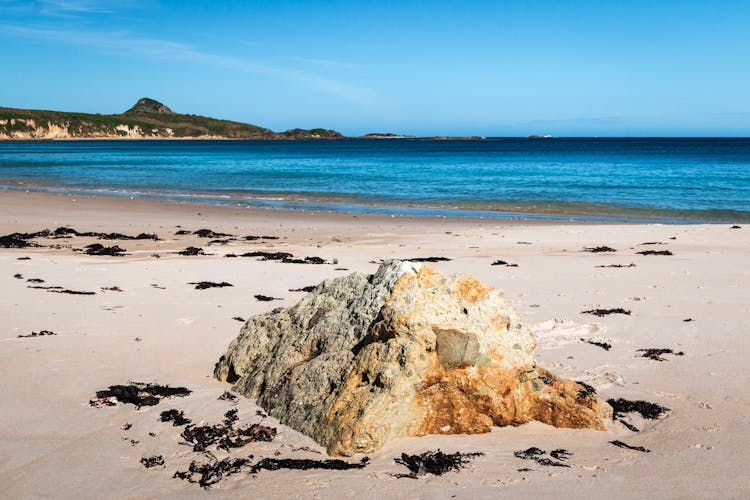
{"type": "Point", "coordinates": [148, 118]}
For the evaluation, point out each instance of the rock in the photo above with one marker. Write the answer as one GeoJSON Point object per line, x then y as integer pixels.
{"type": "Point", "coordinates": [404, 352]}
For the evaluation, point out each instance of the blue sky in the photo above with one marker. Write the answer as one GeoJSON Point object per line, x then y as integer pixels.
{"type": "Point", "coordinates": [502, 68]}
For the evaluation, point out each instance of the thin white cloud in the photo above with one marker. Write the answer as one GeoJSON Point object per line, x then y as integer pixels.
{"type": "Point", "coordinates": [328, 63]}
{"type": "Point", "coordinates": [128, 44]}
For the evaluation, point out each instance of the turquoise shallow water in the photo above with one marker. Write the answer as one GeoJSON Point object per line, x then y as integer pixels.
{"type": "Point", "coordinates": [665, 180]}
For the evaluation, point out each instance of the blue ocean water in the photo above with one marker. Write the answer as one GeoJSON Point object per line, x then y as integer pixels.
{"type": "Point", "coordinates": [666, 180]}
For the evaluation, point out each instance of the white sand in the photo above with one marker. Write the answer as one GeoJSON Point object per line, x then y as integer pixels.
{"type": "Point", "coordinates": [53, 444]}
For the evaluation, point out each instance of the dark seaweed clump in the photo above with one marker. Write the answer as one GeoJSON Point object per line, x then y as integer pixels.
{"type": "Point", "coordinates": [620, 444]}
{"type": "Point", "coordinates": [17, 240]}
{"type": "Point", "coordinates": [253, 237]}
{"type": "Point", "coordinates": [59, 289]}
{"type": "Point", "coordinates": [62, 232]}
{"type": "Point", "coordinates": [647, 410]}
{"type": "Point", "coordinates": [228, 396]}
{"type": "Point", "coordinates": [210, 473]}
{"type": "Point", "coordinates": [306, 464]}
{"type": "Point", "coordinates": [435, 462]}
{"type": "Point", "coordinates": [656, 353]}
{"type": "Point", "coordinates": [99, 249]}
{"type": "Point", "coordinates": [138, 394]}
{"type": "Point", "coordinates": [619, 265]}
{"type": "Point", "coordinates": [192, 251]}
{"type": "Point", "coordinates": [427, 259]}
{"type": "Point", "coordinates": [537, 455]}
{"type": "Point", "coordinates": [284, 257]}
{"type": "Point", "coordinates": [503, 263]}
{"type": "Point", "coordinates": [154, 461]}
{"type": "Point", "coordinates": [176, 417]}
{"type": "Point", "coordinates": [225, 435]}
{"type": "Point", "coordinates": [265, 298]}
{"type": "Point", "coordinates": [605, 312]}
{"type": "Point", "coordinates": [207, 233]}
{"type": "Point", "coordinates": [735, 227]}
{"type": "Point", "coordinates": [604, 345]}
{"type": "Point", "coordinates": [587, 391]}
{"type": "Point", "coordinates": [202, 285]}
{"type": "Point", "coordinates": [599, 249]}
{"type": "Point", "coordinates": [42, 333]}
{"type": "Point", "coordinates": [306, 289]}
{"type": "Point", "coordinates": [239, 318]}
{"type": "Point", "coordinates": [655, 252]}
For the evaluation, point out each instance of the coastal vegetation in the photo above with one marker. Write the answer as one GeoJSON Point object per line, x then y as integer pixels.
{"type": "Point", "coordinates": [148, 118]}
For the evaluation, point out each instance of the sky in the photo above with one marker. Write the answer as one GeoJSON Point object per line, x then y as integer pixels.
{"type": "Point", "coordinates": [490, 68]}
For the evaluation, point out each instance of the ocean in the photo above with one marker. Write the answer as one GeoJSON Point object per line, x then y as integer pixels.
{"type": "Point", "coordinates": [652, 180]}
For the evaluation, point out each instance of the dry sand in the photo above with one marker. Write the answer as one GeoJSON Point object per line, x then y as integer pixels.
{"type": "Point", "coordinates": [161, 329]}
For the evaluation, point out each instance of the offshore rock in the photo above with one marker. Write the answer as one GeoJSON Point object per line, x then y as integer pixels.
{"type": "Point", "coordinates": [404, 352]}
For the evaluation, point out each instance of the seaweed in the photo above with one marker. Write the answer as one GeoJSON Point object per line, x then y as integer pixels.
{"type": "Point", "coordinates": [254, 237]}
{"type": "Point", "coordinates": [182, 232]}
{"type": "Point", "coordinates": [268, 255]}
{"type": "Point", "coordinates": [16, 240]}
{"type": "Point", "coordinates": [587, 391]}
{"type": "Point", "coordinates": [599, 249]}
{"type": "Point", "coordinates": [239, 318]}
{"type": "Point", "coordinates": [111, 289]}
{"type": "Point", "coordinates": [34, 280]}
{"type": "Point", "coordinates": [620, 444]}
{"type": "Point", "coordinates": [655, 252]}
{"type": "Point", "coordinates": [127, 426]}
{"type": "Point", "coordinates": [735, 227]}
{"type": "Point", "coordinates": [62, 232]}
{"type": "Point", "coordinates": [228, 396]}
{"type": "Point", "coordinates": [427, 259]}
{"type": "Point", "coordinates": [306, 289]}
{"type": "Point", "coordinates": [688, 320]}
{"type": "Point", "coordinates": [307, 464]}
{"type": "Point", "coordinates": [208, 233]}
{"type": "Point", "coordinates": [621, 407]}
{"type": "Point", "coordinates": [224, 435]}
{"type": "Point", "coordinates": [41, 333]}
{"type": "Point", "coordinates": [202, 285]}
{"type": "Point", "coordinates": [265, 298]}
{"type": "Point", "coordinates": [656, 353]}
{"type": "Point", "coordinates": [212, 472]}
{"type": "Point", "coordinates": [306, 260]}
{"type": "Point", "coordinates": [604, 345]}
{"type": "Point", "coordinates": [192, 251]}
{"type": "Point", "coordinates": [18, 276]}
{"type": "Point", "coordinates": [537, 455]}
{"type": "Point", "coordinates": [605, 312]}
{"type": "Point", "coordinates": [503, 263]}
{"type": "Point", "coordinates": [22, 258]}
{"type": "Point", "coordinates": [138, 394]}
{"type": "Point", "coordinates": [435, 462]}
{"type": "Point", "coordinates": [156, 460]}
{"type": "Point", "coordinates": [619, 265]}
{"type": "Point", "coordinates": [176, 417]}
{"type": "Point", "coordinates": [59, 289]}
{"type": "Point", "coordinates": [99, 249]}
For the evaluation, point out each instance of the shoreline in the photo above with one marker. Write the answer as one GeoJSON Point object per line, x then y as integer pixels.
{"type": "Point", "coordinates": [299, 203]}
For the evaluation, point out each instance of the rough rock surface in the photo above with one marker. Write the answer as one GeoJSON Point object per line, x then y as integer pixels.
{"type": "Point", "coordinates": [404, 352]}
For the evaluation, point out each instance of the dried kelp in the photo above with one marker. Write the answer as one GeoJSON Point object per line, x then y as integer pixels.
{"type": "Point", "coordinates": [306, 289]}
{"type": "Point", "coordinates": [656, 353]}
{"type": "Point", "coordinates": [604, 345]}
{"type": "Point", "coordinates": [42, 333]}
{"type": "Point", "coordinates": [265, 298]}
{"type": "Point", "coordinates": [99, 249]}
{"type": "Point", "coordinates": [538, 456]}
{"type": "Point", "coordinates": [503, 263]}
{"type": "Point", "coordinates": [210, 473]}
{"type": "Point", "coordinates": [435, 462]}
{"type": "Point", "coordinates": [202, 285]}
{"type": "Point", "coordinates": [138, 394]}
{"type": "Point", "coordinates": [177, 417]}
{"type": "Point", "coordinates": [155, 461]}
{"type": "Point", "coordinates": [192, 251]}
{"type": "Point", "coordinates": [599, 249]}
{"type": "Point", "coordinates": [655, 252]}
{"type": "Point", "coordinates": [619, 265]}
{"type": "Point", "coordinates": [208, 233]}
{"type": "Point", "coordinates": [620, 444]}
{"type": "Point", "coordinates": [622, 407]}
{"type": "Point", "coordinates": [605, 312]}
{"type": "Point", "coordinates": [306, 464]}
{"type": "Point", "coordinates": [225, 435]}
{"type": "Point", "coordinates": [427, 259]}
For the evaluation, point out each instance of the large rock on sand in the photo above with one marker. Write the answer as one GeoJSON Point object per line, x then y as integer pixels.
{"type": "Point", "coordinates": [407, 351]}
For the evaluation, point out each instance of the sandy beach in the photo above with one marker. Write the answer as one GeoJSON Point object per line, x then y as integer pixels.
{"type": "Point", "coordinates": [146, 322]}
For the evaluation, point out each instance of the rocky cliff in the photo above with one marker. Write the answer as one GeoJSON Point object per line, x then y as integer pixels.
{"type": "Point", "coordinates": [407, 351]}
{"type": "Point", "coordinates": [147, 119]}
